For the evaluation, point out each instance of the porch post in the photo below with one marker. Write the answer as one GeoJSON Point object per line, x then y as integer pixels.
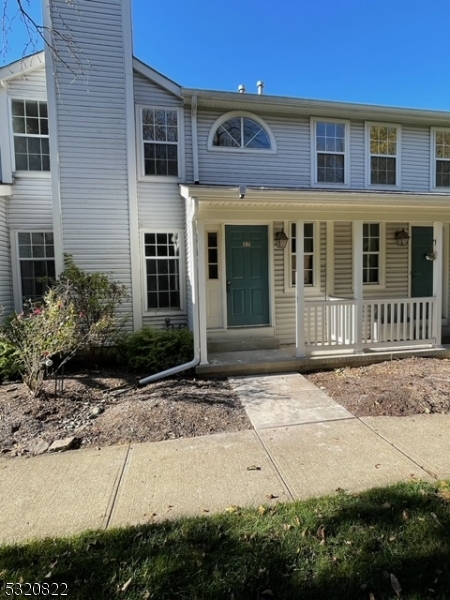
{"type": "Point", "coordinates": [299, 291]}
{"type": "Point", "coordinates": [357, 272]}
{"type": "Point", "coordinates": [201, 266]}
{"type": "Point", "coordinates": [329, 267]}
{"type": "Point", "coordinates": [437, 279]}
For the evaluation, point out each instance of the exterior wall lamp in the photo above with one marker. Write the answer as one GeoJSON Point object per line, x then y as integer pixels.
{"type": "Point", "coordinates": [281, 239]}
{"type": "Point", "coordinates": [402, 238]}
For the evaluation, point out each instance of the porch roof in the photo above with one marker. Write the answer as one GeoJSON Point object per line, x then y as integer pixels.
{"type": "Point", "coordinates": [323, 203]}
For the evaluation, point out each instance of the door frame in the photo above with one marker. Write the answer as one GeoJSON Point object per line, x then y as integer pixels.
{"type": "Point", "coordinates": [222, 269]}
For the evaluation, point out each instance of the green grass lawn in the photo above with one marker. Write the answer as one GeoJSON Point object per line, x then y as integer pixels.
{"type": "Point", "coordinates": [362, 546]}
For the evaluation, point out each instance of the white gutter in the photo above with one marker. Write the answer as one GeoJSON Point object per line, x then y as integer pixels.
{"type": "Point", "coordinates": [196, 316]}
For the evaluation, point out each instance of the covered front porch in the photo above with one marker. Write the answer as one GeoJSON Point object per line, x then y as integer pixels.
{"type": "Point", "coordinates": [368, 292]}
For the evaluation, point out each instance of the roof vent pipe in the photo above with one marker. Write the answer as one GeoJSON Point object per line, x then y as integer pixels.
{"type": "Point", "coordinates": [241, 89]}
{"type": "Point", "coordinates": [260, 86]}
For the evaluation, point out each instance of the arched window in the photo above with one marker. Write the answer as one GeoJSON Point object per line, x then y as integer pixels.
{"type": "Point", "coordinates": [239, 131]}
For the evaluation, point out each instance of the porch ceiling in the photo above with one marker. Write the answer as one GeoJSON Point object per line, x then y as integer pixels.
{"type": "Point", "coordinates": [325, 204]}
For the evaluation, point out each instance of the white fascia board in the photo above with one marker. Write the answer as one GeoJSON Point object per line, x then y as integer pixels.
{"type": "Point", "coordinates": [22, 66]}
{"type": "Point", "coordinates": [157, 77]}
{"type": "Point", "coordinates": [311, 107]}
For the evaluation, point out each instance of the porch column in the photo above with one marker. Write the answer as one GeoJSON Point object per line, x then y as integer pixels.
{"type": "Point", "coordinates": [329, 267]}
{"type": "Point", "coordinates": [357, 265]}
{"type": "Point", "coordinates": [299, 291]}
{"type": "Point", "coordinates": [437, 279]}
{"type": "Point", "coordinates": [201, 266]}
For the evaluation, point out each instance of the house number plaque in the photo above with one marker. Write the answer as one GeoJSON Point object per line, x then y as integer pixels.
{"type": "Point", "coordinates": [246, 244]}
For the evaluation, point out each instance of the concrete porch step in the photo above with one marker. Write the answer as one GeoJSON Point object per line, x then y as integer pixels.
{"type": "Point", "coordinates": [242, 345]}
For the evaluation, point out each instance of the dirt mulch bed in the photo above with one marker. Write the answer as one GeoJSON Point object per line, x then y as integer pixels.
{"type": "Point", "coordinates": [95, 413]}
{"type": "Point", "coordinates": [395, 388]}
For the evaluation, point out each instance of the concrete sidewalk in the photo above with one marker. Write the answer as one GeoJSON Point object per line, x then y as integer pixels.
{"type": "Point", "coordinates": [303, 444]}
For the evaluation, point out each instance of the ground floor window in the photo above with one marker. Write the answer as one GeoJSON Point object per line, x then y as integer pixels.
{"type": "Point", "coordinates": [162, 270]}
{"type": "Point", "coordinates": [308, 254]}
{"type": "Point", "coordinates": [371, 253]}
{"type": "Point", "coordinates": [36, 263]}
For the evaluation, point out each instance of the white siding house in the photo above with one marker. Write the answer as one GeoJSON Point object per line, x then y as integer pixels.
{"type": "Point", "coordinates": [185, 196]}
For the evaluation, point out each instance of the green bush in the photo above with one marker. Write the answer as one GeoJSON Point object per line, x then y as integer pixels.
{"type": "Point", "coordinates": [97, 300]}
{"type": "Point", "coordinates": [150, 351]}
{"type": "Point", "coordinates": [10, 367]}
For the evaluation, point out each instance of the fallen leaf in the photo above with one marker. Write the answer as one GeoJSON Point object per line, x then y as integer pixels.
{"type": "Point", "coordinates": [297, 520]}
{"type": "Point", "coordinates": [126, 585]}
{"type": "Point", "coordinates": [287, 526]}
{"type": "Point", "coordinates": [321, 532]}
{"type": "Point", "coordinates": [371, 596]}
{"type": "Point", "coordinates": [267, 594]}
{"type": "Point", "coordinates": [405, 515]}
{"type": "Point", "coordinates": [386, 505]}
{"type": "Point", "coordinates": [49, 574]}
{"type": "Point", "coordinates": [377, 466]}
{"type": "Point", "coordinates": [395, 584]}
{"type": "Point", "coordinates": [271, 496]}
{"type": "Point", "coordinates": [262, 510]}
{"type": "Point", "coordinates": [232, 509]}
{"type": "Point", "coordinates": [253, 468]}
{"type": "Point", "coordinates": [392, 538]}
{"type": "Point", "coordinates": [305, 532]}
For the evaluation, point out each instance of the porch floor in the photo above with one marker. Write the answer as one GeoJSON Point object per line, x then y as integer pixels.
{"type": "Point", "coordinates": [283, 360]}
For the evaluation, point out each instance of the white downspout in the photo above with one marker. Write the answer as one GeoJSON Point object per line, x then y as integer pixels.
{"type": "Point", "coordinates": [196, 316]}
{"type": "Point", "coordinates": [194, 139]}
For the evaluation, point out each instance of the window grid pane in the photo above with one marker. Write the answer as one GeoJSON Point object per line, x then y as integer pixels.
{"type": "Point", "coordinates": [30, 129]}
{"type": "Point", "coordinates": [36, 262]}
{"type": "Point", "coordinates": [330, 148]}
{"type": "Point", "coordinates": [213, 255]}
{"type": "Point", "coordinates": [442, 152]}
{"type": "Point", "coordinates": [308, 253]}
{"type": "Point", "coordinates": [160, 142]}
{"type": "Point", "coordinates": [241, 132]}
{"type": "Point", "coordinates": [371, 253]}
{"type": "Point", "coordinates": [383, 151]}
{"type": "Point", "coordinates": [162, 270]}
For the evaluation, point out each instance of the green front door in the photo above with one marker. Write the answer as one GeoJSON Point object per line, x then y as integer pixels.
{"type": "Point", "coordinates": [247, 275]}
{"type": "Point", "coordinates": [421, 268]}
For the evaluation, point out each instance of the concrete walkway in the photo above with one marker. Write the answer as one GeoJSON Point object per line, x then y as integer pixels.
{"type": "Point", "coordinates": [303, 444]}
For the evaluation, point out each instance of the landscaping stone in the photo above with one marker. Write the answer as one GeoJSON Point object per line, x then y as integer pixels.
{"type": "Point", "coordinates": [63, 445]}
{"type": "Point", "coordinates": [38, 446]}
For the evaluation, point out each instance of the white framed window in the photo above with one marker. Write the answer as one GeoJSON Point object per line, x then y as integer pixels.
{"type": "Point", "coordinates": [160, 141]}
{"type": "Point", "coordinates": [163, 271]}
{"type": "Point", "coordinates": [440, 161]}
{"type": "Point", "coordinates": [213, 255]}
{"type": "Point", "coordinates": [30, 135]}
{"type": "Point", "coordinates": [373, 256]}
{"type": "Point", "coordinates": [241, 132]}
{"type": "Point", "coordinates": [35, 254]}
{"type": "Point", "coordinates": [383, 155]}
{"type": "Point", "coordinates": [310, 255]}
{"type": "Point", "coordinates": [330, 152]}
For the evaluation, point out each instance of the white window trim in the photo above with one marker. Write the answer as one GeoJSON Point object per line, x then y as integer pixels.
{"type": "Point", "coordinates": [381, 285]}
{"type": "Point", "coordinates": [309, 290]}
{"type": "Point", "coordinates": [398, 156]}
{"type": "Point", "coordinates": [26, 173]}
{"type": "Point", "coordinates": [433, 186]}
{"type": "Point", "coordinates": [182, 264]}
{"type": "Point", "coordinates": [230, 115]}
{"type": "Point", "coordinates": [15, 261]}
{"type": "Point", "coordinates": [140, 144]}
{"type": "Point", "coordinates": [322, 184]}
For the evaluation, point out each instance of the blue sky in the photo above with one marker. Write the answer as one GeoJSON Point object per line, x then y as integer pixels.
{"type": "Point", "coordinates": [390, 52]}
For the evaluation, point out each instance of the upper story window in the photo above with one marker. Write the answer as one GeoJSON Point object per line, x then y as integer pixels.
{"type": "Point", "coordinates": [383, 153]}
{"type": "Point", "coordinates": [241, 131]}
{"type": "Point", "coordinates": [441, 158]}
{"type": "Point", "coordinates": [160, 140]}
{"type": "Point", "coordinates": [330, 152]}
{"type": "Point", "coordinates": [30, 131]}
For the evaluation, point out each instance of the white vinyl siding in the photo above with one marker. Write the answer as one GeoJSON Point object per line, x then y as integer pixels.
{"type": "Point", "coordinates": [416, 160]}
{"type": "Point", "coordinates": [289, 166]}
{"type": "Point", "coordinates": [6, 303]}
{"type": "Point", "coordinates": [92, 139]}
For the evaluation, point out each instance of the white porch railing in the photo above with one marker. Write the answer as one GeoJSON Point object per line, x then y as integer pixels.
{"type": "Point", "coordinates": [331, 324]}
